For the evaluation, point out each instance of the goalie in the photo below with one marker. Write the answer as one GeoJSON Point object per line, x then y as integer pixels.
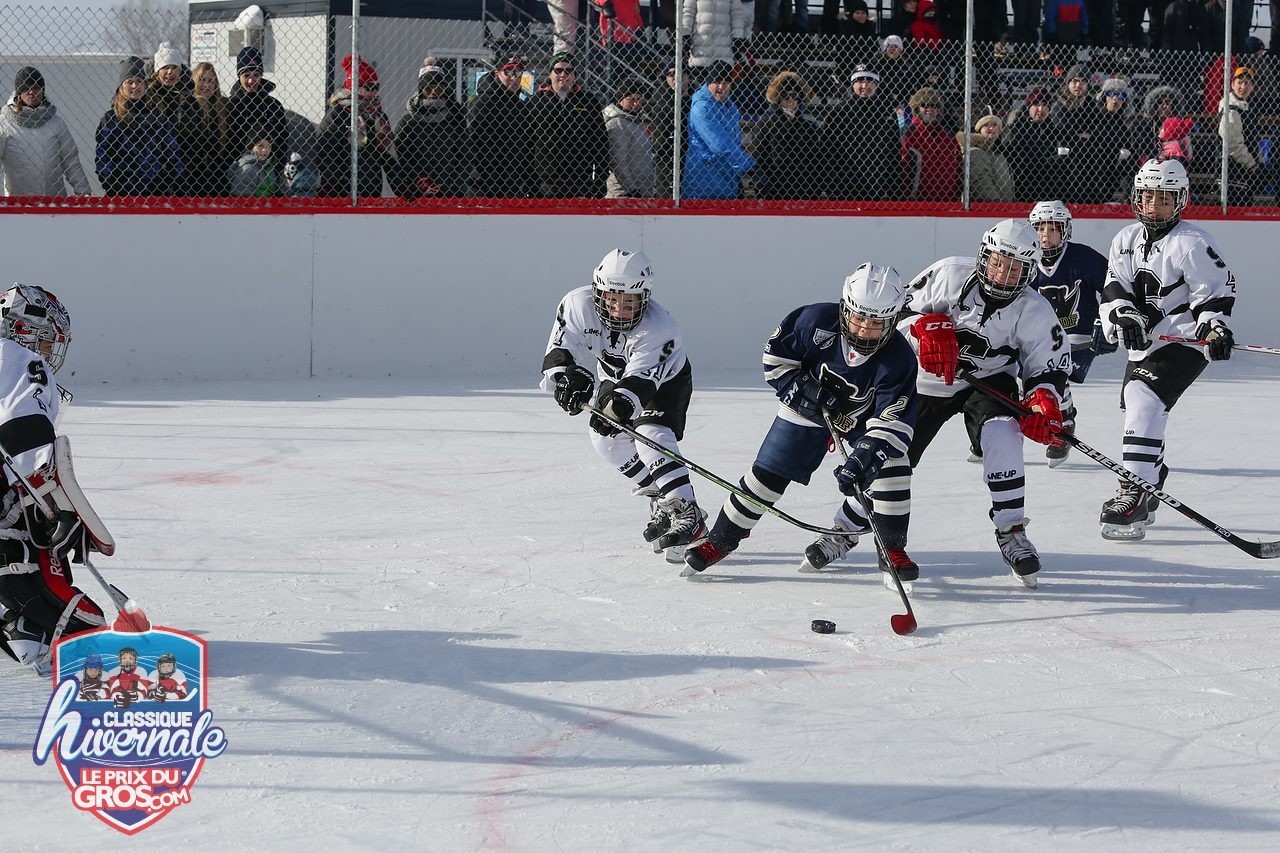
{"type": "Point", "coordinates": [43, 514]}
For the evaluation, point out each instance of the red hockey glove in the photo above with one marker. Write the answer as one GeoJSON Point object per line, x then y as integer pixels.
{"type": "Point", "coordinates": [939, 349]}
{"type": "Point", "coordinates": [1044, 423]}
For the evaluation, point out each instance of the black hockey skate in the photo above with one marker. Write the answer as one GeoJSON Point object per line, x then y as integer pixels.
{"type": "Point", "coordinates": [908, 570]}
{"type": "Point", "coordinates": [1019, 553]}
{"type": "Point", "coordinates": [687, 523]}
{"type": "Point", "coordinates": [1125, 517]}
{"type": "Point", "coordinates": [705, 552]}
{"type": "Point", "coordinates": [830, 548]}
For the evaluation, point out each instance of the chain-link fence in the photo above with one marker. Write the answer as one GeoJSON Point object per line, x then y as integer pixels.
{"type": "Point", "coordinates": [153, 100]}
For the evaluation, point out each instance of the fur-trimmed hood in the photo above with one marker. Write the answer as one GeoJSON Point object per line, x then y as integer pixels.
{"type": "Point", "coordinates": [772, 94]}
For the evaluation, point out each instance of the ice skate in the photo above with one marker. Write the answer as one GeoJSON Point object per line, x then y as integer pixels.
{"type": "Point", "coordinates": [908, 570]}
{"type": "Point", "coordinates": [1019, 553]}
{"type": "Point", "coordinates": [705, 552]}
{"type": "Point", "coordinates": [658, 520]}
{"type": "Point", "coordinates": [1057, 455]}
{"type": "Point", "coordinates": [687, 524]}
{"type": "Point", "coordinates": [975, 456]}
{"type": "Point", "coordinates": [1125, 517]}
{"type": "Point", "coordinates": [829, 548]}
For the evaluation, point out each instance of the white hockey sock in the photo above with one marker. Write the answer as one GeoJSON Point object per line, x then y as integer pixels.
{"type": "Point", "coordinates": [1003, 472]}
{"type": "Point", "coordinates": [1145, 422]}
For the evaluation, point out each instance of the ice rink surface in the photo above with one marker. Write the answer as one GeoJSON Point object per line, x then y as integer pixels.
{"type": "Point", "coordinates": [433, 625]}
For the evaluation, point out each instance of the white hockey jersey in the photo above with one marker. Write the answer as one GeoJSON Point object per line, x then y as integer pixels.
{"type": "Point", "coordinates": [1177, 282]}
{"type": "Point", "coordinates": [638, 360]}
{"type": "Point", "coordinates": [28, 398]}
{"type": "Point", "coordinates": [1022, 338]}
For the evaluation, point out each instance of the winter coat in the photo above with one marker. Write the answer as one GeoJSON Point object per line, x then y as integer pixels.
{"type": "Point", "coordinates": [660, 111]}
{"type": "Point", "coordinates": [631, 169]}
{"type": "Point", "coordinates": [1032, 151]}
{"type": "Point", "coordinates": [926, 31]}
{"type": "Point", "coordinates": [1113, 160]}
{"type": "Point", "coordinates": [570, 144]}
{"type": "Point", "coordinates": [431, 146]}
{"type": "Point", "coordinates": [715, 159]}
{"type": "Point", "coordinates": [212, 155]}
{"type": "Point", "coordinates": [863, 136]}
{"type": "Point", "coordinates": [789, 154]}
{"type": "Point", "coordinates": [1182, 25]}
{"type": "Point", "coordinates": [1239, 128]}
{"type": "Point", "coordinates": [256, 112]}
{"type": "Point", "coordinates": [1151, 141]}
{"type": "Point", "coordinates": [899, 23]}
{"type": "Point", "coordinates": [501, 130]}
{"type": "Point", "coordinates": [990, 178]}
{"type": "Point", "coordinates": [255, 178]}
{"type": "Point", "coordinates": [940, 163]}
{"type": "Point", "coordinates": [180, 108]}
{"type": "Point", "coordinates": [712, 25]}
{"type": "Point", "coordinates": [137, 157]}
{"type": "Point", "coordinates": [38, 154]}
{"type": "Point", "coordinates": [375, 151]}
{"type": "Point", "coordinates": [624, 25]}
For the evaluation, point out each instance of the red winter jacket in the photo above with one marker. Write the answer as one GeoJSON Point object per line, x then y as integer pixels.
{"type": "Point", "coordinates": [625, 23]}
{"type": "Point", "coordinates": [927, 31]}
{"type": "Point", "coordinates": [940, 162]}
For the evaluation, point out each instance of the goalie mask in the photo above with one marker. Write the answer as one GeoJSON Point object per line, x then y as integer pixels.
{"type": "Point", "coordinates": [622, 283]}
{"type": "Point", "coordinates": [1160, 192]}
{"type": "Point", "coordinates": [1007, 260]}
{"type": "Point", "coordinates": [1057, 213]}
{"type": "Point", "coordinates": [36, 319]}
{"type": "Point", "coordinates": [872, 299]}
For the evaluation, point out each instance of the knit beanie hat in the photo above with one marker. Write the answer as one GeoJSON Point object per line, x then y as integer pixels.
{"type": "Point", "coordinates": [26, 78]}
{"type": "Point", "coordinates": [1115, 84]}
{"type": "Point", "coordinates": [896, 41]}
{"type": "Point", "coordinates": [430, 76]}
{"type": "Point", "coordinates": [132, 67]}
{"type": "Point", "coordinates": [862, 72]}
{"type": "Point", "coordinates": [988, 119]}
{"type": "Point", "coordinates": [366, 75]}
{"type": "Point", "coordinates": [166, 55]}
{"type": "Point", "coordinates": [630, 87]}
{"type": "Point", "coordinates": [248, 59]}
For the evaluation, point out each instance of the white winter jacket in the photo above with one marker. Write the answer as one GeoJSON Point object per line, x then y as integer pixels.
{"type": "Point", "coordinates": [712, 25]}
{"type": "Point", "coordinates": [38, 154]}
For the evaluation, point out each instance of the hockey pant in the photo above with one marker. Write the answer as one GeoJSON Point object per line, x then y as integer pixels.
{"type": "Point", "coordinates": [997, 436]}
{"type": "Point", "coordinates": [791, 453]}
{"type": "Point", "coordinates": [1151, 389]}
{"type": "Point", "coordinates": [643, 465]}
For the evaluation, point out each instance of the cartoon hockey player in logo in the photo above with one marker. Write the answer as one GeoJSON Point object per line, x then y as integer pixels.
{"type": "Point", "coordinates": [92, 687]}
{"type": "Point", "coordinates": [168, 681]}
{"type": "Point", "coordinates": [126, 684]}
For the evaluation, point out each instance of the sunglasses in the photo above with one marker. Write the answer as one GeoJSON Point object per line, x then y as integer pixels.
{"type": "Point", "coordinates": [1121, 95]}
{"type": "Point", "coordinates": [561, 70]}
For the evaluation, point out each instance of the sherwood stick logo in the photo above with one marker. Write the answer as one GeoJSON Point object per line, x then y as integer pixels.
{"type": "Point", "coordinates": [128, 725]}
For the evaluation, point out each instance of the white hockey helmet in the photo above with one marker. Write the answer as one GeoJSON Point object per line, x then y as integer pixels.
{"type": "Point", "coordinates": [35, 318]}
{"type": "Point", "coordinates": [1058, 213]}
{"type": "Point", "coordinates": [625, 273]}
{"type": "Point", "coordinates": [1167, 176]}
{"type": "Point", "coordinates": [872, 292]}
{"type": "Point", "coordinates": [1020, 245]}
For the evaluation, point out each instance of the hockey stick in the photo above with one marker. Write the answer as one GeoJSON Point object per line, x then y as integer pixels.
{"type": "Point", "coordinates": [1241, 347]}
{"type": "Point", "coordinates": [1261, 550]}
{"type": "Point", "coordinates": [902, 623]}
{"type": "Point", "coordinates": [719, 481]}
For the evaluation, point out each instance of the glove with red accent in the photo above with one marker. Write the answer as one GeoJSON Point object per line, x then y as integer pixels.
{"type": "Point", "coordinates": [1044, 423]}
{"type": "Point", "coordinates": [939, 349]}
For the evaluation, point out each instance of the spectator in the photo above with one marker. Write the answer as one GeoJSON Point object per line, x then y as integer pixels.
{"type": "Point", "coordinates": [375, 141]}
{"type": "Point", "coordinates": [1074, 117]}
{"type": "Point", "coordinates": [36, 149]}
{"type": "Point", "coordinates": [1160, 103]}
{"type": "Point", "coordinates": [1032, 147]}
{"type": "Point", "coordinates": [1238, 128]}
{"type": "Point", "coordinates": [1114, 164]}
{"type": "Point", "coordinates": [136, 152]}
{"type": "Point", "coordinates": [947, 115]}
{"type": "Point", "coordinates": [863, 135]}
{"type": "Point", "coordinates": [1026, 21]}
{"type": "Point", "coordinates": [770, 12]}
{"type": "Point", "coordinates": [1182, 25]}
{"type": "Point", "coordinates": [257, 174]}
{"type": "Point", "coordinates": [213, 137]}
{"type": "Point", "coordinates": [1213, 27]}
{"type": "Point", "coordinates": [501, 135]}
{"type": "Point", "coordinates": [570, 144]}
{"type": "Point", "coordinates": [788, 143]}
{"type": "Point", "coordinates": [716, 30]}
{"type": "Point", "coordinates": [899, 23]}
{"type": "Point", "coordinates": [715, 161]}
{"type": "Point", "coordinates": [169, 93]}
{"type": "Point", "coordinates": [990, 178]}
{"type": "Point", "coordinates": [895, 73]}
{"type": "Point", "coordinates": [990, 20]}
{"type": "Point", "coordinates": [431, 140]}
{"type": "Point", "coordinates": [300, 180]}
{"type": "Point", "coordinates": [661, 112]}
{"type": "Point", "coordinates": [925, 29]}
{"type": "Point", "coordinates": [621, 26]}
{"type": "Point", "coordinates": [931, 160]}
{"type": "Point", "coordinates": [854, 20]}
{"type": "Point", "coordinates": [631, 171]}
{"type": "Point", "coordinates": [564, 22]}
{"type": "Point", "coordinates": [252, 107]}
{"type": "Point", "coordinates": [1065, 22]}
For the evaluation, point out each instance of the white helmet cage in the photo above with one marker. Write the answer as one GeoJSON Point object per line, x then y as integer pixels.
{"type": "Point", "coordinates": [1057, 212]}
{"type": "Point", "coordinates": [33, 317]}
{"type": "Point", "coordinates": [1167, 175]}
{"type": "Point", "coordinates": [875, 292]}
{"type": "Point", "coordinates": [623, 272]}
{"type": "Point", "coordinates": [1017, 241]}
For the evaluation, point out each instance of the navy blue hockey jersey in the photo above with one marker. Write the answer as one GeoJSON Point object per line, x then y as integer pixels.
{"type": "Point", "coordinates": [1073, 288]}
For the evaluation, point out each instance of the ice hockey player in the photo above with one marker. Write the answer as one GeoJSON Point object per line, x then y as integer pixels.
{"type": "Point", "coordinates": [981, 317]}
{"type": "Point", "coordinates": [38, 600]}
{"type": "Point", "coordinates": [1164, 277]}
{"type": "Point", "coordinates": [127, 684]}
{"type": "Point", "coordinates": [168, 682]}
{"type": "Point", "coordinates": [92, 687]}
{"type": "Point", "coordinates": [846, 359]}
{"type": "Point", "coordinates": [646, 382]}
{"type": "Point", "coordinates": [1070, 275]}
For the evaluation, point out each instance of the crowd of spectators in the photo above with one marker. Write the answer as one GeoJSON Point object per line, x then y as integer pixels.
{"type": "Point", "coordinates": [888, 125]}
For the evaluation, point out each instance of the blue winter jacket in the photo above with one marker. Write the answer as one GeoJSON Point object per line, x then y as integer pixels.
{"type": "Point", "coordinates": [714, 159]}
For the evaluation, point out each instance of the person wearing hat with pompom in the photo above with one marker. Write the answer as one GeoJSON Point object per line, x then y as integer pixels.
{"type": "Point", "coordinates": [990, 178]}
{"type": "Point", "coordinates": [1031, 144]}
{"type": "Point", "coordinates": [169, 93]}
{"type": "Point", "coordinates": [136, 149]}
{"type": "Point", "coordinates": [375, 141]}
{"type": "Point", "coordinates": [570, 143]}
{"type": "Point", "coordinates": [37, 152]}
{"type": "Point", "coordinates": [501, 134]}
{"type": "Point", "coordinates": [431, 139]}
{"type": "Point", "coordinates": [252, 108]}
{"type": "Point", "coordinates": [788, 142]}
{"type": "Point", "coordinates": [863, 138]}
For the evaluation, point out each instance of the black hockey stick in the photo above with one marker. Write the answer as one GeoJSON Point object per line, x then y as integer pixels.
{"type": "Point", "coordinates": [719, 481]}
{"type": "Point", "coordinates": [902, 623]}
{"type": "Point", "coordinates": [1261, 550]}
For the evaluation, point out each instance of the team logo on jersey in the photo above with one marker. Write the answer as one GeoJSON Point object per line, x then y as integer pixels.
{"type": "Point", "coordinates": [823, 338]}
{"type": "Point", "coordinates": [1065, 299]}
{"type": "Point", "coordinates": [128, 725]}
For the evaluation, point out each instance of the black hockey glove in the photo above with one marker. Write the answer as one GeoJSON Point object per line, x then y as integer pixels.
{"type": "Point", "coordinates": [1102, 346]}
{"type": "Point", "coordinates": [617, 406]}
{"type": "Point", "coordinates": [573, 388]}
{"type": "Point", "coordinates": [860, 469]}
{"type": "Point", "coordinates": [1132, 326]}
{"type": "Point", "coordinates": [1219, 338]}
{"type": "Point", "coordinates": [808, 398]}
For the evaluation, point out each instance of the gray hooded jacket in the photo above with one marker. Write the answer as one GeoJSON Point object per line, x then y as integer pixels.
{"type": "Point", "coordinates": [37, 153]}
{"type": "Point", "coordinates": [630, 154]}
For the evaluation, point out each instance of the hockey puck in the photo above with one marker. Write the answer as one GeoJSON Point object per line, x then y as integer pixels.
{"type": "Point", "coordinates": [822, 626]}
